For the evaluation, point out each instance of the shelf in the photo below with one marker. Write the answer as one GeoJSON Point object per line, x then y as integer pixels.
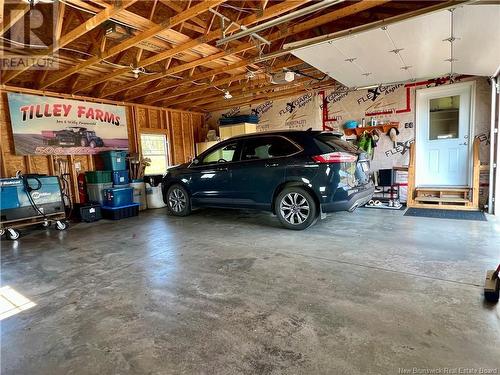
{"type": "Point", "coordinates": [383, 128]}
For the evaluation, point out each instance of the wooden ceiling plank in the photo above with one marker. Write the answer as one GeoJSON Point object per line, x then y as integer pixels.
{"type": "Point", "coordinates": [182, 24]}
{"type": "Point", "coordinates": [15, 14]}
{"type": "Point", "coordinates": [269, 13]}
{"type": "Point", "coordinates": [138, 56]}
{"type": "Point", "coordinates": [136, 39]}
{"type": "Point", "coordinates": [172, 5]}
{"type": "Point", "coordinates": [74, 34]}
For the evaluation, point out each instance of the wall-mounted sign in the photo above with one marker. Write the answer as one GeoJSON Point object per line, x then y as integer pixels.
{"type": "Point", "coordinates": [51, 126]}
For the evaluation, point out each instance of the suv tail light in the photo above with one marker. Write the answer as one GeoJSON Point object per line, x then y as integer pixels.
{"type": "Point", "coordinates": [335, 157]}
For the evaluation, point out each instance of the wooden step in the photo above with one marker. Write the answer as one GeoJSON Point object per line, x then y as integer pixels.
{"type": "Point", "coordinates": [447, 189]}
{"type": "Point", "coordinates": [449, 206]}
{"type": "Point", "coordinates": [442, 199]}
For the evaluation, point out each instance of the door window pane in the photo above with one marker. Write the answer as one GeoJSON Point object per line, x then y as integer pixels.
{"type": "Point", "coordinates": [154, 147]}
{"type": "Point", "coordinates": [443, 119]}
{"type": "Point", "coordinates": [225, 153]}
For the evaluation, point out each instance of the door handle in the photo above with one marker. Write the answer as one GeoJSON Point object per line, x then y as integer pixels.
{"type": "Point", "coordinates": [270, 165]}
{"type": "Point", "coordinates": [463, 144]}
{"type": "Point", "coordinates": [222, 169]}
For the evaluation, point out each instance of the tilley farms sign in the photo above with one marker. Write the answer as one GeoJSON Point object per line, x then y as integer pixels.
{"type": "Point", "coordinates": [44, 125]}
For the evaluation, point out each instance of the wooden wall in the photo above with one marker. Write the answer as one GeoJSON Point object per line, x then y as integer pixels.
{"type": "Point", "coordinates": [183, 130]}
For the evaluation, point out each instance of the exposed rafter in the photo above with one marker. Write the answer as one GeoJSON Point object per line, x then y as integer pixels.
{"type": "Point", "coordinates": [131, 42]}
{"type": "Point", "coordinates": [329, 17]}
{"type": "Point", "coordinates": [10, 18]}
{"type": "Point", "coordinates": [270, 12]}
{"type": "Point", "coordinates": [189, 91]}
{"type": "Point", "coordinates": [173, 44]}
{"type": "Point", "coordinates": [74, 34]}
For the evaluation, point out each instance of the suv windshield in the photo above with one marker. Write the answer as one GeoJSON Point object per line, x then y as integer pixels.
{"type": "Point", "coordinates": [337, 143]}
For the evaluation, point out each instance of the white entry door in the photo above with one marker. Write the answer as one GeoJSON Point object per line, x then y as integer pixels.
{"type": "Point", "coordinates": [443, 135]}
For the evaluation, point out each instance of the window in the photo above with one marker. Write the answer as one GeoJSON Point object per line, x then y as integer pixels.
{"type": "Point", "coordinates": [267, 147]}
{"type": "Point", "coordinates": [443, 117]}
{"type": "Point", "coordinates": [338, 143]}
{"type": "Point", "coordinates": [225, 153]}
{"type": "Point", "coordinates": [154, 147]}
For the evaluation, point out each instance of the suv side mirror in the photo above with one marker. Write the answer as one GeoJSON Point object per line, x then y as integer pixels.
{"type": "Point", "coordinates": [196, 161]}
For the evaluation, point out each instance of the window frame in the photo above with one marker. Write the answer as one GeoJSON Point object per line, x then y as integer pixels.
{"type": "Point", "coordinates": [168, 158]}
{"type": "Point", "coordinates": [214, 148]}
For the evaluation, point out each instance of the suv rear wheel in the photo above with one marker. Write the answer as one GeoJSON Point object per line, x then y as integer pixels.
{"type": "Point", "coordinates": [296, 208]}
{"type": "Point", "coordinates": [178, 201]}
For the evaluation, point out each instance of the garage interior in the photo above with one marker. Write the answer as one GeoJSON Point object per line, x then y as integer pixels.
{"type": "Point", "coordinates": [395, 287]}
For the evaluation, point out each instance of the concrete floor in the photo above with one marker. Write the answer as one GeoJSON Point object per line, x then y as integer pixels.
{"type": "Point", "coordinates": [231, 292]}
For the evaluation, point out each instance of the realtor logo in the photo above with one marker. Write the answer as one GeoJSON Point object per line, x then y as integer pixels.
{"type": "Point", "coordinates": [29, 38]}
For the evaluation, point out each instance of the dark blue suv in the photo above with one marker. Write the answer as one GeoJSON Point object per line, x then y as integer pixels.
{"type": "Point", "coordinates": [298, 175]}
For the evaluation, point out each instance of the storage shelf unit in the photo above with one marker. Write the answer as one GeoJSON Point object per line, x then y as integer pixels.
{"type": "Point", "coordinates": [228, 131]}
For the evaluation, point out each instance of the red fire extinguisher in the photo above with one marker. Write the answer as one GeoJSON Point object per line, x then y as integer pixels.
{"type": "Point", "coordinates": [82, 190]}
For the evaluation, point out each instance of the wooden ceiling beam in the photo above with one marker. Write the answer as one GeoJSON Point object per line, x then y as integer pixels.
{"type": "Point", "coordinates": [158, 43]}
{"type": "Point", "coordinates": [61, 11]}
{"type": "Point", "coordinates": [12, 16]}
{"type": "Point", "coordinates": [269, 13]}
{"type": "Point", "coordinates": [213, 73]}
{"type": "Point", "coordinates": [74, 34]}
{"type": "Point", "coordinates": [219, 82]}
{"type": "Point", "coordinates": [315, 22]}
{"type": "Point", "coordinates": [190, 26]}
{"type": "Point", "coordinates": [257, 98]}
{"type": "Point", "coordinates": [131, 42]}
{"type": "Point", "coordinates": [243, 90]}
{"type": "Point", "coordinates": [216, 95]}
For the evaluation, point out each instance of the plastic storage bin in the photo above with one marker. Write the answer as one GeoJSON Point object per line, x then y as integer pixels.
{"type": "Point", "coordinates": [120, 177]}
{"type": "Point", "coordinates": [114, 160]}
{"type": "Point", "coordinates": [117, 197]}
{"type": "Point", "coordinates": [98, 177]}
{"type": "Point", "coordinates": [88, 212]}
{"type": "Point", "coordinates": [117, 213]}
{"type": "Point", "coordinates": [95, 192]}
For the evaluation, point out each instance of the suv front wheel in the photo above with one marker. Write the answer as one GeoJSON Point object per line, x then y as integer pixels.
{"type": "Point", "coordinates": [178, 203]}
{"type": "Point", "coordinates": [296, 208]}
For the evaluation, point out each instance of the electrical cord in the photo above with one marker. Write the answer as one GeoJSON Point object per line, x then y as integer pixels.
{"type": "Point", "coordinates": [28, 189]}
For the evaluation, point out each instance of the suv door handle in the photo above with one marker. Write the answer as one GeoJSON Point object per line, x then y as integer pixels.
{"type": "Point", "coordinates": [221, 169]}
{"type": "Point", "coordinates": [270, 165]}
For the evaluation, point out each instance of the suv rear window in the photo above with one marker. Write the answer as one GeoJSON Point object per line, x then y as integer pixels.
{"type": "Point", "coordinates": [267, 147]}
{"type": "Point", "coordinates": [338, 143]}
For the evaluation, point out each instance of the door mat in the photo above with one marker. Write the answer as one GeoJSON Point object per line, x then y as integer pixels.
{"type": "Point", "coordinates": [446, 214]}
